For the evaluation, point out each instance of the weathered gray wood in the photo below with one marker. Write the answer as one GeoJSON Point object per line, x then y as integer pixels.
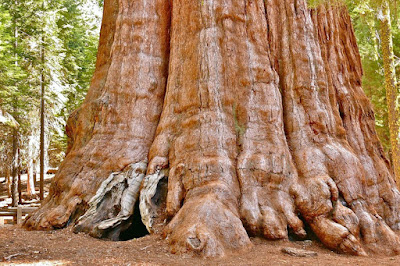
{"type": "Point", "coordinates": [118, 195]}
{"type": "Point", "coordinates": [8, 213]}
{"type": "Point", "coordinates": [149, 210]}
{"type": "Point", "coordinates": [295, 252]}
{"type": "Point", "coordinates": [16, 212]}
{"type": "Point", "coordinates": [19, 215]}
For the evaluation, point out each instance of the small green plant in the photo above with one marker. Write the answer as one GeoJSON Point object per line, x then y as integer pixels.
{"type": "Point", "coordinates": [240, 130]}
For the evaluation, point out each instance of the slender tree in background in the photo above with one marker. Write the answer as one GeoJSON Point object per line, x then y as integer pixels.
{"type": "Point", "coordinates": [392, 91]}
{"type": "Point", "coordinates": [30, 183]}
{"type": "Point", "coordinates": [42, 114]}
{"type": "Point", "coordinates": [15, 137]}
{"type": "Point", "coordinates": [14, 167]}
{"type": "Point", "coordinates": [19, 176]}
{"type": "Point", "coordinates": [8, 121]}
{"type": "Point", "coordinates": [8, 181]}
{"type": "Point", "coordinates": [221, 120]}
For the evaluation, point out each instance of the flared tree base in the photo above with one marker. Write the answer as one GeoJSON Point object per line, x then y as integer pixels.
{"type": "Point", "coordinates": [215, 120]}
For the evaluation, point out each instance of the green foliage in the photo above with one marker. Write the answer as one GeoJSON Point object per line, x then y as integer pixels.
{"type": "Point", "coordinates": [364, 14]}
{"type": "Point", "coordinates": [79, 46]}
{"type": "Point", "coordinates": [66, 31]}
{"type": "Point", "coordinates": [366, 24]}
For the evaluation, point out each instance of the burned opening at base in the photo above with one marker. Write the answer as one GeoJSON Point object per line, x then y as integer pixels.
{"type": "Point", "coordinates": [128, 229]}
{"type": "Point", "coordinates": [127, 205]}
{"type": "Point", "coordinates": [136, 229]}
{"type": "Point", "coordinates": [157, 206]}
{"type": "Point", "coordinates": [310, 235]}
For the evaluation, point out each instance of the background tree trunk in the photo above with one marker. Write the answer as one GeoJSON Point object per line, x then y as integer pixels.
{"type": "Point", "coordinates": [42, 121]}
{"type": "Point", "coordinates": [31, 169]}
{"type": "Point", "coordinates": [14, 171]}
{"type": "Point", "coordinates": [392, 91]}
{"type": "Point", "coordinates": [19, 177]}
{"type": "Point", "coordinates": [30, 188]}
{"type": "Point", "coordinates": [264, 127]}
{"type": "Point", "coordinates": [8, 179]}
{"type": "Point", "coordinates": [15, 134]}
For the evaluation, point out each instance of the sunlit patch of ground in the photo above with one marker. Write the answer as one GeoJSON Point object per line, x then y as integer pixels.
{"type": "Point", "coordinates": [40, 263]}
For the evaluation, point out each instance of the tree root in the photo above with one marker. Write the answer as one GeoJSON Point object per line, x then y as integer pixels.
{"type": "Point", "coordinates": [207, 226]}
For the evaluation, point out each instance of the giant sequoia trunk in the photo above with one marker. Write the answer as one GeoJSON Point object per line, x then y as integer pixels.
{"type": "Point", "coordinates": [214, 120]}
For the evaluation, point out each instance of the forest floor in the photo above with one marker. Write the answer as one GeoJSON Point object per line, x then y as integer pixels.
{"type": "Point", "coordinates": [63, 247]}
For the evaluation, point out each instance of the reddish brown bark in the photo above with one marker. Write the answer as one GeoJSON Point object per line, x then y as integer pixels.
{"type": "Point", "coordinates": [129, 81]}
{"type": "Point", "coordinates": [264, 126]}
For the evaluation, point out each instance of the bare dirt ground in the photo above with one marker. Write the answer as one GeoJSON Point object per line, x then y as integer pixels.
{"type": "Point", "coordinates": [63, 247]}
